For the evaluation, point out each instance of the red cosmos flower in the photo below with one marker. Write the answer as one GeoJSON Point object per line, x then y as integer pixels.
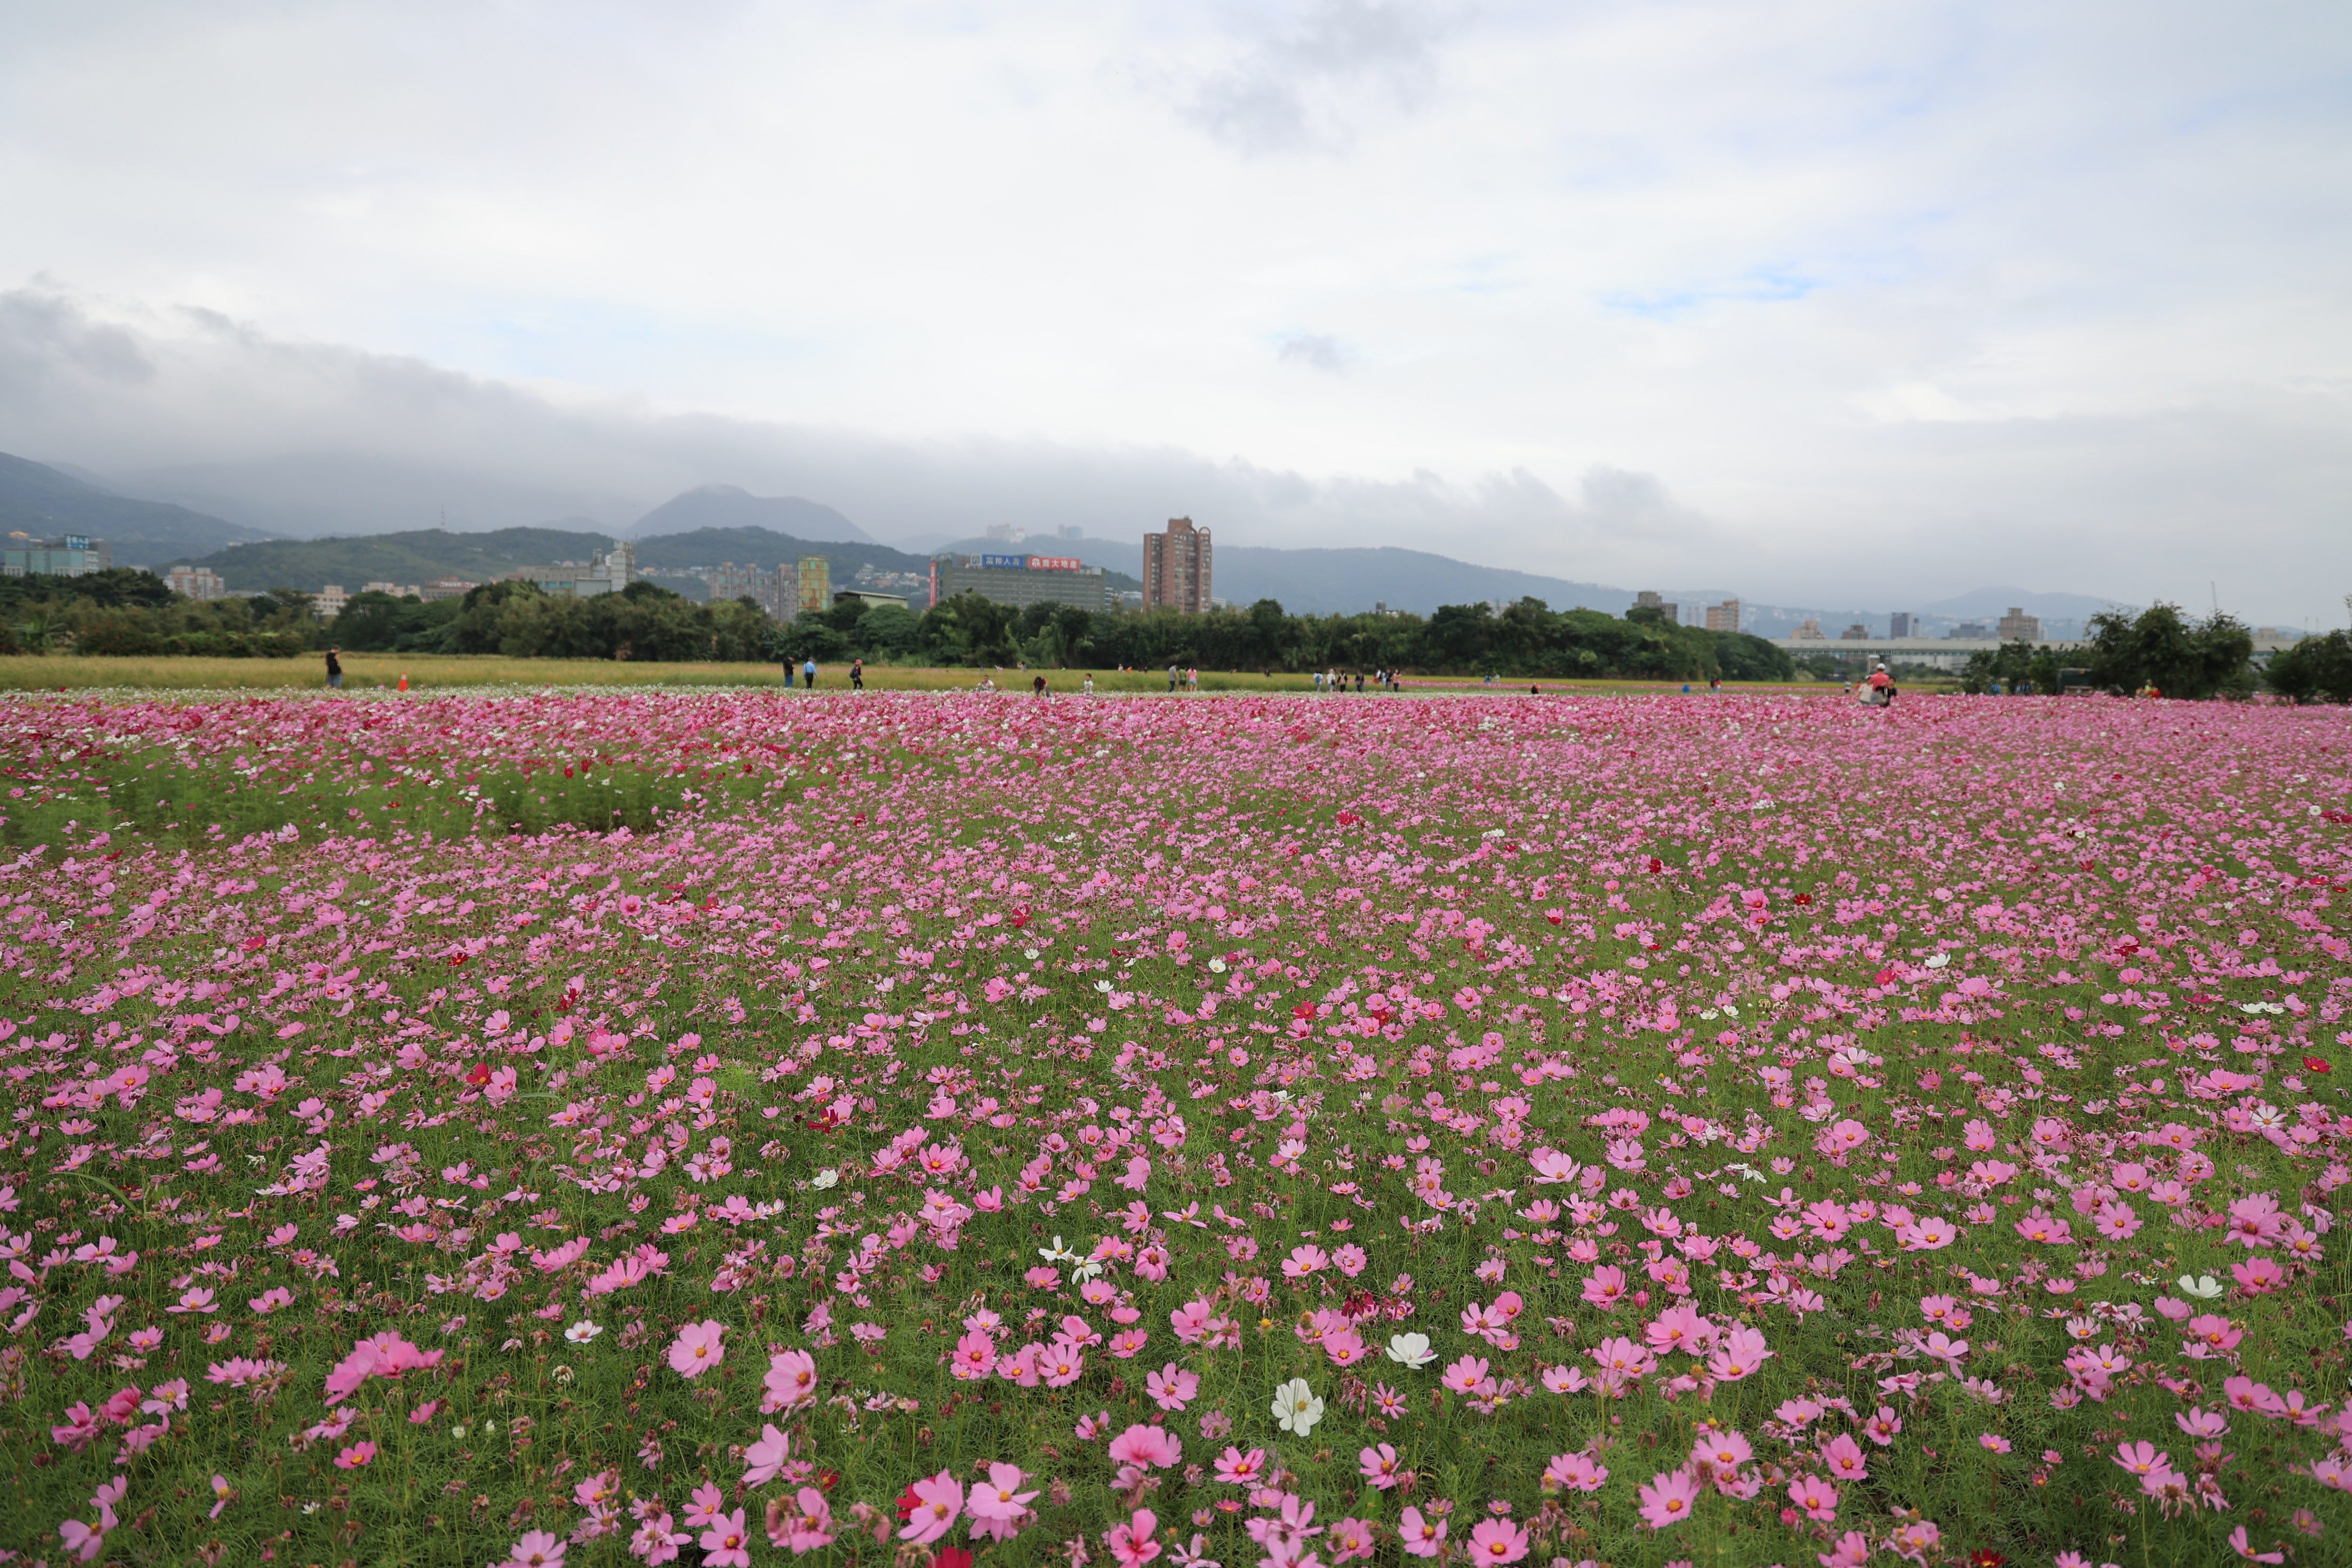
{"type": "Point", "coordinates": [1804, 897]}
{"type": "Point", "coordinates": [1656, 865]}
{"type": "Point", "coordinates": [908, 1503]}
{"type": "Point", "coordinates": [478, 1075]}
{"type": "Point", "coordinates": [951, 1557]}
{"type": "Point", "coordinates": [828, 1479]}
{"type": "Point", "coordinates": [1020, 919]}
{"type": "Point", "coordinates": [1348, 819]}
{"type": "Point", "coordinates": [1884, 977]}
{"type": "Point", "coordinates": [1986, 1557]}
{"type": "Point", "coordinates": [2316, 1064]}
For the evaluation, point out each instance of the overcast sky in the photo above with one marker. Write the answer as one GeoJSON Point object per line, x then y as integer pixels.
{"type": "Point", "coordinates": [1835, 303]}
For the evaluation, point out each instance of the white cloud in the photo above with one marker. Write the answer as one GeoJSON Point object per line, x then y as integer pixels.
{"type": "Point", "coordinates": [1883, 298]}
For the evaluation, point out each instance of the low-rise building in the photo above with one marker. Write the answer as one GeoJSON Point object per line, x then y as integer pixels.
{"type": "Point", "coordinates": [1854, 633]}
{"type": "Point", "coordinates": [397, 590]}
{"type": "Point", "coordinates": [195, 583]}
{"type": "Point", "coordinates": [870, 598]}
{"type": "Point", "coordinates": [1020, 581]}
{"type": "Point", "coordinates": [445, 588]}
{"type": "Point", "coordinates": [72, 555]}
{"type": "Point", "coordinates": [1649, 599]}
{"type": "Point", "coordinates": [1810, 632]}
{"type": "Point", "coordinates": [607, 571]}
{"type": "Point", "coordinates": [331, 601]}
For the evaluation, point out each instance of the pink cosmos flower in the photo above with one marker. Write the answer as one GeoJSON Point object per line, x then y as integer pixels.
{"type": "Point", "coordinates": [1814, 1497]}
{"type": "Point", "coordinates": [1606, 1287]}
{"type": "Point", "coordinates": [764, 1460]}
{"type": "Point", "coordinates": [1843, 1458]}
{"type": "Point", "coordinates": [1496, 1541]}
{"type": "Point", "coordinates": [536, 1549]}
{"type": "Point", "coordinates": [1667, 1500]}
{"type": "Point", "coordinates": [1381, 1465]}
{"type": "Point", "coordinates": [697, 1348]}
{"type": "Point", "coordinates": [2239, 1545]}
{"type": "Point", "coordinates": [999, 1496]}
{"type": "Point", "coordinates": [1236, 1469]}
{"type": "Point", "coordinates": [1171, 1387]}
{"type": "Point", "coordinates": [1914, 1541]}
{"type": "Point", "coordinates": [1348, 1541]}
{"type": "Point", "coordinates": [1574, 1472]}
{"type": "Point", "coordinates": [1155, 1447]}
{"type": "Point", "coordinates": [1851, 1550]}
{"type": "Point", "coordinates": [727, 1543]}
{"type": "Point", "coordinates": [1422, 1538]}
{"type": "Point", "coordinates": [939, 1500]}
{"type": "Point", "coordinates": [355, 1457]}
{"type": "Point", "coordinates": [805, 1527]}
{"type": "Point", "coordinates": [791, 1382]}
{"type": "Point", "coordinates": [1742, 1351]}
{"type": "Point", "coordinates": [1131, 1544]}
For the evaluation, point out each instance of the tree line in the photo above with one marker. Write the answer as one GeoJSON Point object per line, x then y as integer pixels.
{"type": "Point", "coordinates": [126, 611]}
{"type": "Point", "coordinates": [1524, 640]}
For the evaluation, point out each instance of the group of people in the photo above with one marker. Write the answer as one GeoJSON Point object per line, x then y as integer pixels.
{"type": "Point", "coordinates": [1878, 691]}
{"type": "Point", "coordinates": [1331, 680]}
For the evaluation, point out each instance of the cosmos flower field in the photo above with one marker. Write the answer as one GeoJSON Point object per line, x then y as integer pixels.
{"type": "Point", "coordinates": [740, 1128]}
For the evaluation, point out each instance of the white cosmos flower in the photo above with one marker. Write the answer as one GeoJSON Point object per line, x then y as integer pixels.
{"type": "Point", "coordinates": [1938, 960]}
{"type": "Point", "coordinates": [1295, 1408]}
{"type": "Point", "coordinates": [2204, 1287]}
{"type": "Point", "coordinates": [1411, 1350]}
{"type": "Point", "coordinates": [1216, 966]}
{"type": "Point", "coordinates": [1057, 1253]}
{"type": "Point", "coordinates": [581, 1332]}
{"type": "Point", "coordinates": [824, 1178]}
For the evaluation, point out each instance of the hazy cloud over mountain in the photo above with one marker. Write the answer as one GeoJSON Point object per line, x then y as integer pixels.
{"type": "Point", "coordinates": [1827, 301]}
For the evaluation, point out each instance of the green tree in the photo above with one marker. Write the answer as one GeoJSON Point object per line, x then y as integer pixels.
{"type": "Point", "coordinates": [2163, 648]}
{"type": "Point", "coordinates": [2315, 669]}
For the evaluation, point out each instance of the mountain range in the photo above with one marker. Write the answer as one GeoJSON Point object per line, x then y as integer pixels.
{"type": "Point", "coordinates": [43, 501]}
{"type": "Point", "coordinates": [710, 524]}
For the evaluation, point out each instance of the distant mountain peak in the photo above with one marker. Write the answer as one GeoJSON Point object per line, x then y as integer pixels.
{"type": "Point", "coordinates": [734, 507]}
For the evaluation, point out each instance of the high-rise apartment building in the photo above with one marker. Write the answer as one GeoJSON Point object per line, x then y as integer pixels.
{"type": "Point", "coordinates": [1649, 599]}
{"type": "Point", "coordinates": [1176, 568]}
{"type": "Point", "coordinates": [1901, 624]}
{"type": "Point", "coordinates": [1722, 617]}
{"type": "Point", "coordinates": [2019, 626]}
{"type": "Point", "coordinates": [815, 584]}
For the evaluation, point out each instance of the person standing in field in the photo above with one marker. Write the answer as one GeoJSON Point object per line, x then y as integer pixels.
{"type": "Point", "coordinates": [1171, 681]}
{"type": "Point", "coordinates": [857, 674]}
{"type": "Point", "coordinates": [334, 670]}
{"type": "Point", "coordinates": [808, 674]}
{"type": "Point", "coordinates": [1037, 686]}
{"type": "Point", "coordinates": [1090, 683]}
